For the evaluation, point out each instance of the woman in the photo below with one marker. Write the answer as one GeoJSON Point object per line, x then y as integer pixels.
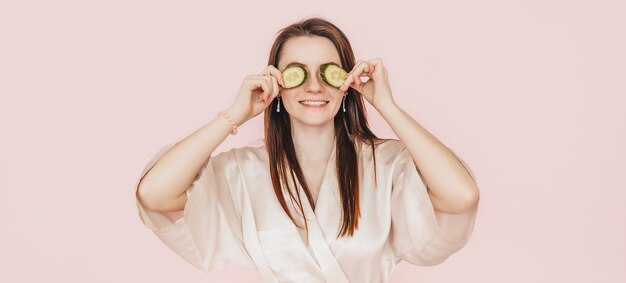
{"type": "Point", "coordinates": [368, 202]}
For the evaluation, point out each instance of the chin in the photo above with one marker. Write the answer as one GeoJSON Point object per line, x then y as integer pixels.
{"type": "Point", "coordinates": [312, 121]}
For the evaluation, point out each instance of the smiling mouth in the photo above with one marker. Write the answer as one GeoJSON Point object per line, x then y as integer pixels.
{"type": "Point", "coordinates": [314, 102]}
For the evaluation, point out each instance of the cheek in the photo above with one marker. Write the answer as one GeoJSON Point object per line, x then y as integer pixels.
{"type": "Point", "coordinates": [287, 93]}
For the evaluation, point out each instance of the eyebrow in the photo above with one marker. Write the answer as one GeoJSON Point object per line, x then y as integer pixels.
{"type": "Point", "coordinates": [304, 66]}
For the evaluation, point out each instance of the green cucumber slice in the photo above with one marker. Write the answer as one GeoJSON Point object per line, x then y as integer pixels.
{"type": "Point", "coordinates": [332, 74]}
{"type": "Point", "coordinates": [294, 76]}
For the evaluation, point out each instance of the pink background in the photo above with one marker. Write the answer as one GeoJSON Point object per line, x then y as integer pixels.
{"type": "Point", "coordinates": [529, 93]}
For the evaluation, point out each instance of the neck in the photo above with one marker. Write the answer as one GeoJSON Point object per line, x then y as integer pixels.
{"type": "Point", "coordinates": [313, 143]}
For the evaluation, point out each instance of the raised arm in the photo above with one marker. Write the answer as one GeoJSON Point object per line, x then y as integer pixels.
{"type": "Point", "coordinates": [164, 185]}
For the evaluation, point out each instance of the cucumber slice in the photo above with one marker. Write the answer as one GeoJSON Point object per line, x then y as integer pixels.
{"type": "Point", "coordinates": [294, 76]}
{"type": "Point", "coordinates": [332, 74]}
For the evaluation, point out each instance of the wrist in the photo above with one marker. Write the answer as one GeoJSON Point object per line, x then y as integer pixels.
{"type": "Point", "coordinates": [224, 115]}
{"type": "Point", "coordinates": [237, 118]}
{"type": "Point", "coordinates": [387, 106]}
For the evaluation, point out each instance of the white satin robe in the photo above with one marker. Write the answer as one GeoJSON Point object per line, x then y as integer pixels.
{"type": "Point", "coordinates": [233, 219]}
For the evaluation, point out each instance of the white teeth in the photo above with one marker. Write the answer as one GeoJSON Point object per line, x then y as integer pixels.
{"type": "Point", "coordinates": [314, 103]}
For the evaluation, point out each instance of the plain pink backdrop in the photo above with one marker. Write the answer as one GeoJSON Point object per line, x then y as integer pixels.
{"type": "Point", "coordinates": [529, 93]}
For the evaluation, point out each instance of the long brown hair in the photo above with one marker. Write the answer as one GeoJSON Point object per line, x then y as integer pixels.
{"type": "Point", "coordinates": [350, 126]}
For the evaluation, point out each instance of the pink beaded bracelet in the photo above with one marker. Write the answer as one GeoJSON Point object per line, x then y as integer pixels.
{"type": "Point", "coordinates": [230, 120]}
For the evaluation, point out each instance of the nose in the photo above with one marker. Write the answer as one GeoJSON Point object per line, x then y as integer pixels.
{"type": "Point", "coordinates": [314, 84]}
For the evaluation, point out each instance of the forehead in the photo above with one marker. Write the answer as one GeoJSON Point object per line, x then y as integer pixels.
{"type": "Point", "coordinates": [310, 51]}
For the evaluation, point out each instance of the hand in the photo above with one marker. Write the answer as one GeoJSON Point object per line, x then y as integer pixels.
{"type": "Point", "coordinates": [256, 93]}
{"type": "Point", "coordinates": [376, 89]}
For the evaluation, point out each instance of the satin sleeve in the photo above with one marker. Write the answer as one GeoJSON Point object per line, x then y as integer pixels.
{"type": "Point", "coordinates": [207, 233]}
{"type": "Point", "coordinates": [421, 235]}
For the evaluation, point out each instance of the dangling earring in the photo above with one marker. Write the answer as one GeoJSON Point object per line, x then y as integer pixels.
{"type": "Point", "coordinates": [278, 107]}
{"type": "Point", "coordinates": [344, 102]}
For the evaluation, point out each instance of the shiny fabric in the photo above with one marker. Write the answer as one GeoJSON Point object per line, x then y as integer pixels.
{"type": "Point", "coordinates": [233, 219]}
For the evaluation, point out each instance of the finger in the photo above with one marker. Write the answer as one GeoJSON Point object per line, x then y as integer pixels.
{"type": "Point", "coordinates": [376, 61]}
{"type": "Point", "coordinates": [366, 69]}
{"type": "Point", "coordinates": [355, 71]}
{"type": "Point", "coordinates": [355, 77]}
{"type": "Point", "coordinates": [275, 88]}
{"type": "Point", "coordinates": [366, 73]}
{"type": "Point", "coordinates": [373, 71]}
{"type": "Point", "coordinates": [270, 70]}
{"type": "Point", "coordinates": [377, 64]}
{"type": "Point", "coordinates": [270, 83]}
{"type": "Point", "coordinates": [371, 68]}
{"type": "Point", "coordinates": [346, 83]}
{"type": "Point", "coordinates": [263, 85]}
{"type": "Point", "coordinates": [278, 74]}
{"type": "Point", "coordinates": [359, 71]}
{"type": "Point", "coordinates": [259, 83]}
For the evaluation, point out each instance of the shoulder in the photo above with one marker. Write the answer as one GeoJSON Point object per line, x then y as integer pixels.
{"type": "Point", "coordinates": [253, 152]}
{"type": "Point", "coordinates": [233, 159]}
{"type": "Point", "coordinates": [250, 153]}
{"type": "Point", "coordinates": [385, 154]}
{"type": "Point", "coordinates": [392, 145]}
{"type": "Point", "coordinates": [384, 147]}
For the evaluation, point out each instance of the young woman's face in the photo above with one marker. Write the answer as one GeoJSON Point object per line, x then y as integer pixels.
{"type": "Point", "coordinates": [310, 53]}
